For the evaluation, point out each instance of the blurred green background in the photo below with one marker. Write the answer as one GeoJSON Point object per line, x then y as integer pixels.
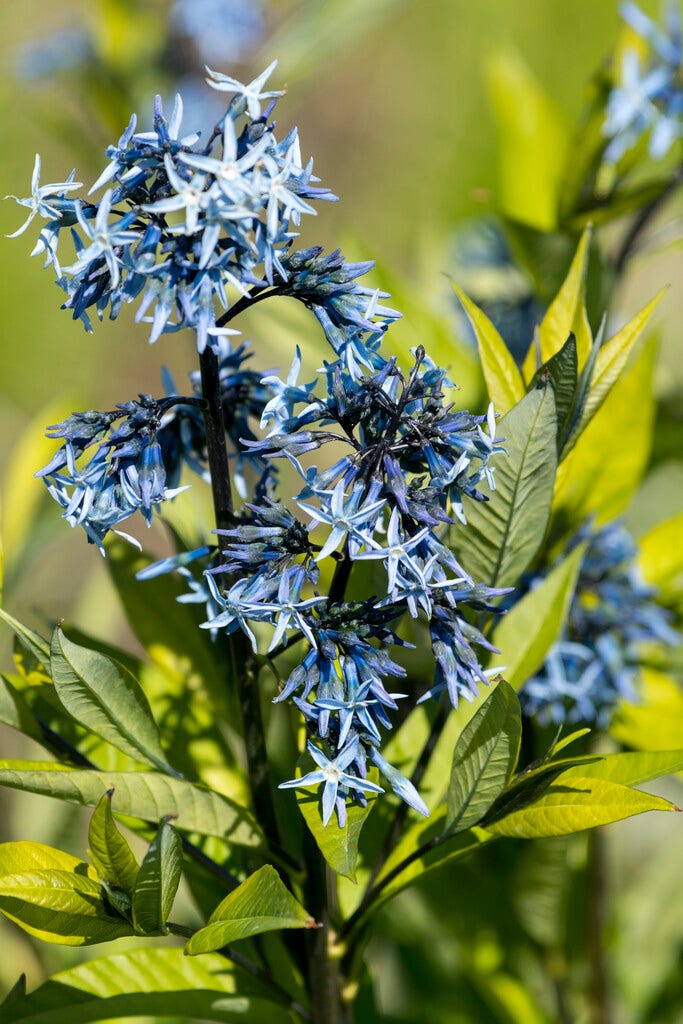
{"type": "Point", "coordinates": [391, 99]}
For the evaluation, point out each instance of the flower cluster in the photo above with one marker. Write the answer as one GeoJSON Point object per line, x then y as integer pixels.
{"type": "Point", "coordinates": [126, 473]}
{"type": "Point", "coordinates": [596, 661]}
{"type": "Point", "coordinates": [185, 228]}
{"type": "Point", "coordinates": [649, 96]}
{"type": "Point", "coordinates": [409, 459]}
{"type": "Point", "coordinates": [187, 231]}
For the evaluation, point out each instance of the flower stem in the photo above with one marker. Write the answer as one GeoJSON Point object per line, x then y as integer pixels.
{"type": "Point", "coordinates": [242, 659]}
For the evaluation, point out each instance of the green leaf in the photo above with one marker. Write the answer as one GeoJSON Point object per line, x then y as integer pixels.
{"type": "Point", "coordinates": [503, 380]}
{"type": "Point", "coordinates": [598, 476]}
{"type": "Point", "coordinates": [656, 723]}
{"type": "Point", "coordinates": [566, 314]}
{"type": "Point", "coordinates": [105, 698]}
{"type": "Point", "coordinates": [578, 804]}
{"type": "Point", "coordinates": [484, 758]}
{"type": "Point", "coordinates": [168, 631]}
{"type": "Point", "coordinates": [27, 856]}
{"type": "Point", "coordinates": [504, 533]}
{"type": "Point", "coordinates": [111, 854]}
{"type": "Point", "coordinates": [149, 796]}
{"type": "Point", "coordinates": [157, 982]}
{"type": "Point", "coordinates": [630, 768]}
{"type": "Point", "coordinates": [339, 846]}
{"type": "Point", "coordinates": [526, 633]}
{"type": "Point", "coordinates": [612, 359]}
{"type": "Point", "coordinates": [660, 558]}
{"type": "Point", "coordinates": [15, 712]}
{"type": "Point", "coordinates": [262, 903]}
{"type": "Point", "coordinates": [561, 371]}
{"type": "Point", "coordinates": [157, 882]}
{"type": "Point", "coordinates": [33, 643]}
{"type": "Point", "coordinates": [55, 897]}
{"type": "Point", "coordinates": [532, 142]}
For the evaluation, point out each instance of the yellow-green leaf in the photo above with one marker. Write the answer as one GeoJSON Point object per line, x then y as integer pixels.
{"type": "Point", "coordinates": [656, 722]}
{"type": "Point", "coordinates": [503, 380]}
{"type": "Point", "coordinates": [152, 982]}
{"type": "Point", "coordinates": [260, 904]}
{"type": "Point", "coordinates": [660, 558]}
{"type": "Point", "coordinates": [566, 314]}
{"type": "Point", "coordinates": [111, 854]}
{"type": "Point", "coordinates": [603, 470]}
{"type": "Point", "coordinates": [533, 136]}
{"type": "Point", "coordinates": [574, 805]}
{"type": "Point", "coordinates": [612, 359]}
{"type": "Point", "coordinates": [527, 632]}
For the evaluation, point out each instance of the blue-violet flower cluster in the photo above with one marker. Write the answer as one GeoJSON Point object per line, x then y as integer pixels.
{"type": "Point", "coordinates": [595, 663]}
{"type": "Point", "coordinates": [186, 232]}
{"type": "Point", "coordinates": [649, 95]}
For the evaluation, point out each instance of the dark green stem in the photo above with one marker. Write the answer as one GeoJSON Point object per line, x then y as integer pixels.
{"type": "Point", "coordinates": [243, 661]}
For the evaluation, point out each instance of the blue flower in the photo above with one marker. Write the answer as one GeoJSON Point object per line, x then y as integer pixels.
{"type": "Point", "coordinates": [250, 95]}
{"type": "Point", "coordinates": [44, 200]}
{"type": "Point", "coordinates": [334, 775]}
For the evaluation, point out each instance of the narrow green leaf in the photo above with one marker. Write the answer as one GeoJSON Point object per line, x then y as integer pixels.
{"type": "Point", "coordinates": [105, 698]}
{"type": "Point", "coordinates": [612, 359]}
{"type": "Point", "coordinates": [147, 982]}
{"type": "Point", "coordinates": [28, 856]}
{"type": "Point", "coordinates": [339, 846]}
{"type": "Point", "coordinates": [566, 313]}
{"type": "Point", "coordinates": [504, 533]}
{"type": "Point", "coordinates": [561, 371]}
{"type": "Point", "coordinates": [16, 993]}
{"type": "Point", "coordinates": [38, 647]}
{"type": "Point", "coordinates": [262, 903]}
{"type": "Point", "coordinates": [578, 804]}
{"type": "Point", "coordinates": [484, 758]}
{"type": "Point", "coordinates": [503, 380]}
{"type": "Point", "coordinates": [532, 142]}
{"type": "Point", "coordinates": [660, 558]}
{"type": "Point", "coordinates": [566, 740]}
{"type": "Point", "coordinates": [599, 477]}
{"type": "Point", "coordinates": [60, 907]}
{"type": "Point", "coordinates": [149, 796]}
{"type": "Point", "coordinates": [526, 633]}
{"type": "Point", "coordinates": [157, 882]}
{"type": "Point", "coordinates": [656, 723]}
{"type": "Point", "coordinates": [631, 767]}
{"type": "Point", "coordinates": [111, 854]}
{"type": "Point", "coordinates": [15, 712]}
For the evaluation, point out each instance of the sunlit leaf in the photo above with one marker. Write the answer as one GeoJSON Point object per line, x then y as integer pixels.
{"type": "Point", "coordinates": [158, 982]}
{"type": "Point", "coordinates": [566, 314]}
{"type": "Point", "coordinates": [339, 846]}
{"type": "Point", "coordinates": [149, 796]}
{"type": "Point", "coordinates": [574, 805]}
{"type": "Point", "coordinates": [528, 630]}
{"type": "Point", "coordinates": [532, 142]}
{"type": "Point", "coordinates": [503, 380]}
{"type": "Point", "coordinates": [262, 903]}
